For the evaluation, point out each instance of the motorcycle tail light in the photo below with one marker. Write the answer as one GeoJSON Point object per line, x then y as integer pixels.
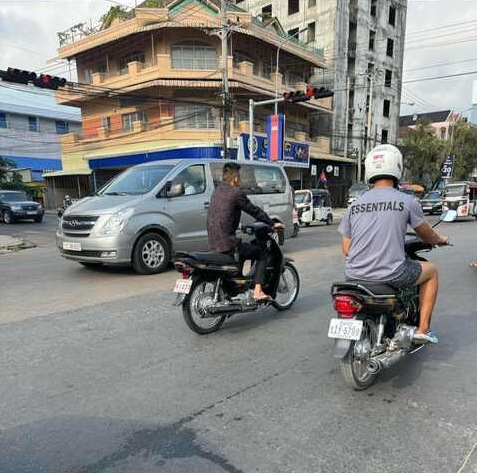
{"type": "Point", "coordinates": [346, 306]}
{"type": "Point", "coordinates": [185, 272]}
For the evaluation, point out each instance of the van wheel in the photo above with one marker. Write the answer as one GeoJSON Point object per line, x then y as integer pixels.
{"type": "Point", "coordinates": [151, 254]}
{"type": "Point", "coordinates": [329, 219]}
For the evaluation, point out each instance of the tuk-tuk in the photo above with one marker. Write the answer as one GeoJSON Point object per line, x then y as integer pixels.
{"type": "Point", "coordinates": [462, 197]}
{"type": "Point", "coordinates": [314, 205]}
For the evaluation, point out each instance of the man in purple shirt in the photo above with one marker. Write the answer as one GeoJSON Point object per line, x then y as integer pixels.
{"type": "Point", "coordinates": [223, 218]}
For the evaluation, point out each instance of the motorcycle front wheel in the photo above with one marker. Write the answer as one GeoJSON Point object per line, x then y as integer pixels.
{"type": "Point", "coordinates": [288, 287]}
{"type": "Point", "coordinates": [194, 308]}
{"type": "Point", "coordinates": [353, 365]}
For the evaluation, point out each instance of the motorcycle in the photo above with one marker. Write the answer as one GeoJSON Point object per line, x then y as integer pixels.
{"type": "Point", "coordinates": [214, 287]}
{"type": "Point", "coordinates": [67, 201]}
{"type": "Point", "coordinates": [376, 323]}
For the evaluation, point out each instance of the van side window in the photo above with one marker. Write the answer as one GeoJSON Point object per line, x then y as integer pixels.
{"type": "Point", "coordinates": [193, 179]}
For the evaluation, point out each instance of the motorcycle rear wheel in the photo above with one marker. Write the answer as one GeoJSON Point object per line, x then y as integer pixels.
{"type": "Point", "coordinates": [353, 367]}
{"type": "Point", "coordinates": [200, 296]}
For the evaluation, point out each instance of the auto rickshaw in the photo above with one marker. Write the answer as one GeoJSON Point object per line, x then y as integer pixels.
{"type": "Point", "coordinates": [314, 205]}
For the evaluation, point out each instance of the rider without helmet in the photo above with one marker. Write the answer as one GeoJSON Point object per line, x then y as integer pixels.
{"type": "Point", "coordinates": [383, 161]}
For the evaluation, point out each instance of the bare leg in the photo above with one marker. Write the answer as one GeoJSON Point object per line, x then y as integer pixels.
{"type": "Point", "coordinates": [428, 285]}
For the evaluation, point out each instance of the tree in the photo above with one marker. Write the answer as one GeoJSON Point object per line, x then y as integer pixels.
{"type": "Point", "coordinates": [423, 154]}
{"type": "Point", "coordinates": [463, 145]}
{"type": "Point", "coordinates": [114, 12]}
{"type": "Point", "coordinates": [5, 165]}
{"type": "Point", "coordinates": [10, 179]}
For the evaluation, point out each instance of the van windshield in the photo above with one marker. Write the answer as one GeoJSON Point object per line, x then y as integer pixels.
{"type": "Point", "coordinates": [136, 181]}
{"type": "Point", "coordinates": [14, 197]}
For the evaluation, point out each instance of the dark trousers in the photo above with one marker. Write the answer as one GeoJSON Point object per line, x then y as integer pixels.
{"type": "Point", "coordinates": [247, 251]}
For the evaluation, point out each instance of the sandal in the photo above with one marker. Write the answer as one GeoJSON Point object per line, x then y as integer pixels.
{"type": "Point", "coordinates": [429, 337]}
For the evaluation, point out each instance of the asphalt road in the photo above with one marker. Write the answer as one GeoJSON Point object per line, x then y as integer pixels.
{"type": "Point", "coordinates": [100, 374]}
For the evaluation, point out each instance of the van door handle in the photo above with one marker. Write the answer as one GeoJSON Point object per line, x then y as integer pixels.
{"type": "Point", "coordinates": [206, 205]}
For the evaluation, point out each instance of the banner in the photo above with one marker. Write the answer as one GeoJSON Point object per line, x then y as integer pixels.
{"type": "Point", "coordinates": [275, 134]}
{"type": "Point", "coordinates": [447, 167]}
{"type": "Point", "coordinates": [295, 154]}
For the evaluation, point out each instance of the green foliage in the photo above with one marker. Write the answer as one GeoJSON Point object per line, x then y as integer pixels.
{"type": "Point", "coordinates": [152, 4]}
{"type": "Point", "coordinates": [10, 179]}
{"type": "Point", "coordinates": [114, 12]}
{"type": "Point", "coordinates": [5, 165]}
{"type": "Point", "coordinates": [423, 154]}
{"type": "Point", "coordinates": [464, 148]}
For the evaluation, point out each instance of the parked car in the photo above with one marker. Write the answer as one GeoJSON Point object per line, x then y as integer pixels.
{"type": "Point", "coordinates": [432, 202]}
{"type": "Point", "coordinates": [15, 205]}
{"type": "Point", "coordinates": [150, 211]}
{"type": "Point", "coordinates": [355, 191]}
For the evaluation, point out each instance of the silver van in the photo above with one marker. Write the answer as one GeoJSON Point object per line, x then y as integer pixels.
{"type": "Point", "coordinates": [150, 211]}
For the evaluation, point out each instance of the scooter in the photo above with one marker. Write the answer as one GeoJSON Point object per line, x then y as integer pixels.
{"type": "Point", "coordinates": [213, 286]}
{"type": "Point", "coordinates": [67, 201]}
{"type": "Point", "coordinates": [375, 323]}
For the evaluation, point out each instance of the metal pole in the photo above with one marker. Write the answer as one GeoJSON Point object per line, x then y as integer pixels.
{"type": "Point", "coordinates": [345, 151]}
{"type": "Point", "coordinates": [370, 112]}
{"type": "Point", "coordinates": [225, 79]}
{"type": "Point", "coordinates": [276, 81]}
{"type": "Point", "coordinates": [360, 157]}
{"type": "Point", "coordinates": [250, 128]}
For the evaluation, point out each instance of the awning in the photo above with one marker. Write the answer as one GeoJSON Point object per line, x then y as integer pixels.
{"type": "Point", "coordinates": [123, 160]}
{"type": "Point", "coordinates": [79, 172]}
{"type": "Point", "coordinates": [331, 157]}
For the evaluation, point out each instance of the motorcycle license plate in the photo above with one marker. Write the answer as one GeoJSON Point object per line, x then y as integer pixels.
{"type": "Point", "coordinates": [346, 329]}
{"type": "Point", "coordinates": [183, 286]}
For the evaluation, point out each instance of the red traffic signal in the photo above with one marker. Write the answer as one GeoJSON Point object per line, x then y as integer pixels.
{"type": "Point", "coordinates": [44, 81]}
{"type": "Point", "coordinates": [310, 93]}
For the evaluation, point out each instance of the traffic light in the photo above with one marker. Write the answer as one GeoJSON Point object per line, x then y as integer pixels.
{"type": "Point", "coordinates": [310, 93]}
{"type": "Point", "coordinates": [44, 81]}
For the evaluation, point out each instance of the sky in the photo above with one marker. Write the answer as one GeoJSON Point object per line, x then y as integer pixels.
{"type": "Point", "coordinates": [440, 33]}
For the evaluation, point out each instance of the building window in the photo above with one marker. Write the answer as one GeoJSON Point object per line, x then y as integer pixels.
{"type": "Point", "coordinates": [128, 119]}
{"type": "Point", "coordinates": [372, 36]}
{"type": "Point", "coordinates": [33, 124]}
{"type": "Point", "coordinates": [3, 120]}
{"type": "Point", "coordinates": [388, 77]}
{"type": "Point", "coordinates": [61, 127]}
{"type": "Point", "coordinates": [293, 33]}
{"type": "Point", "coordinates": [311, 32]}
{"type": "Point", "coordinates": [373, 8]}
{"type": "Point", "coordinates": [370, 67]}
{"type": "Point", "coordinates": [311, 3]}
{"type": "Point", "coordinates": [194, 118]}
{"type": "Point", "coordinates": [384, 136]}
{"type": "Point", "coordinates": [193, 56]}
{"type": "Point", "coordinates": [390, 48]}
{"type": "Point", "coordinates": [392, 16]}
{"type": "Point", "coordinates": [131, 57]}
{"type": "Point", "coordinates": [386, 108]}
{"type": "Point", "coordinates": [106, 122]}
{"type": "Point", "coordinates": [267, 12]}
{"type": "Point", "coordinates": [443, 133]}
{"type": "Point", "coordinates": [293, 6]}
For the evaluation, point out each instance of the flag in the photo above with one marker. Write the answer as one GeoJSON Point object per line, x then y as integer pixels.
{"type": "Point", "coordinates": [322, 179]}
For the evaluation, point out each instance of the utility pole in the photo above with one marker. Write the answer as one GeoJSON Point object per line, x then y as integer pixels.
{"type": "Point", "coordinates": [370, 114]}
{"type": "Point", "coordinates": [225, 78]}
{"type": "Point", "coordinates": [345, 152]}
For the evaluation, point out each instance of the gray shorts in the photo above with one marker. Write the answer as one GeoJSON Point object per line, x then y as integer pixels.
{"type": "Point", "coordinates": [407, 275]}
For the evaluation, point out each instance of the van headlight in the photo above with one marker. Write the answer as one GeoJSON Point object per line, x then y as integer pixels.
{"type": "Point", "coordinates": [116, 222]}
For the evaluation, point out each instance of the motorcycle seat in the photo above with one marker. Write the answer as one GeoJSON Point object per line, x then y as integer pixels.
{"type": "Point", "coordinates": [213, 257]}
{"type": "Point", "coordinates": [371, 288]}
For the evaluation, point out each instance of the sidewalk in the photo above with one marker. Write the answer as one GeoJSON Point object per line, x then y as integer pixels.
{"type": "Point", "coordinates": [8, 243]}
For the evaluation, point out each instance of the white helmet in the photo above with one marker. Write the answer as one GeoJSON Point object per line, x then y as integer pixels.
{"type": "Point", "coordinates": [383, 161]}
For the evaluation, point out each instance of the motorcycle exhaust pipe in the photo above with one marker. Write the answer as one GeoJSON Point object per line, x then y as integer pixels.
{"type": "Point", "coordinates": [228, 310]}
{"type": "Point", "coordinates": [384, 361]}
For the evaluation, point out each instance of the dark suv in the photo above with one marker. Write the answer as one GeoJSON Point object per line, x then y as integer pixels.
{"type": "Point", "coordinates": [15, 205]}
{"type": "Point", "coordinates": [432, 202]}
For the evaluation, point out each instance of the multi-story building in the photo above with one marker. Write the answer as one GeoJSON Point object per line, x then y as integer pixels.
{"type": "Point", "coordinates": [363, 43]}
{"type": "Point", "coordinates": [440, 121]}
{"type": "Point", "coordinates": [149, 87]}
{"type": "Point", "coordinates": [31, 124]}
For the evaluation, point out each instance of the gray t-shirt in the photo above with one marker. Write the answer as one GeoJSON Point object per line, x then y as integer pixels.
{"type": "Point", "coordinates": [376, 223]}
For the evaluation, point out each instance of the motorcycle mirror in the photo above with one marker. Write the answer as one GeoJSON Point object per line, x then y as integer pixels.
{"type": "Point", "coordinates": [448, 216]}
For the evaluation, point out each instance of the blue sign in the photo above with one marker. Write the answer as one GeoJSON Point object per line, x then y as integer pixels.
{"type": "Point", "coordinates": [295, 154]}
{"type": "Point", "coordinates": [447, 166]}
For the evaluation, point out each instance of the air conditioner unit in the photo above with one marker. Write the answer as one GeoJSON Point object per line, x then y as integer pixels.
{"type": "Point", "coordinates": [231, 142]}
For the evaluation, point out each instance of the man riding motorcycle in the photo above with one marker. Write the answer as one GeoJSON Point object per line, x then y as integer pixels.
{"type": "Point", "coordinates": [373, 231]}
{"type": "Point", "coordinates": [223, 218]}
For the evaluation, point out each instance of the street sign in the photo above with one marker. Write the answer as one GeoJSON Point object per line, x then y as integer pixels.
{"type": "Point", "coordinates": [447, 167]}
